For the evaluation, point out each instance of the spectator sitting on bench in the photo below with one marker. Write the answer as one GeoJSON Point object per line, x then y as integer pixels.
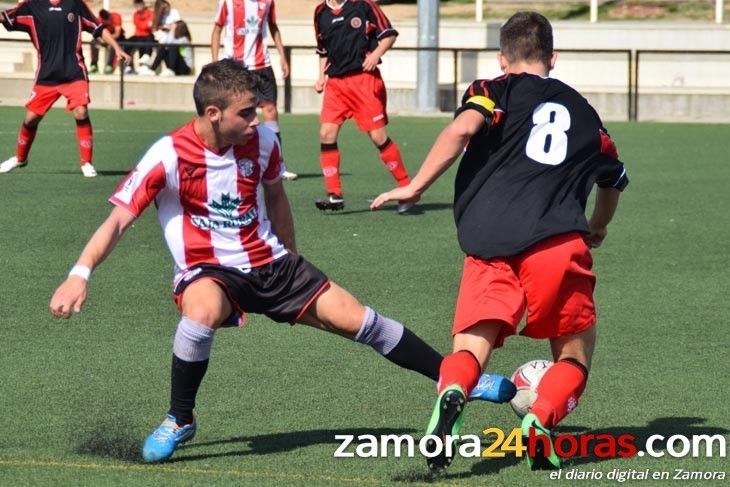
{"type": "Point", "coordinates": [179, 60]}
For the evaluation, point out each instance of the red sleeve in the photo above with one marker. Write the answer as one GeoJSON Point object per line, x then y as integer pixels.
{"type": "Point", "coordinates": [379, 21]}
{"type": "Point", "coordinates": [140, 187]}
{"type": "Point", "coordinates": [221, 15]}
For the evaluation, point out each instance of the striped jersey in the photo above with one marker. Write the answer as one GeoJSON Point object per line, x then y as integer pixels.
{"type": "Point", "coordinates": [245, 23]}
{"type": "Point", "coordinates": [210, 205]}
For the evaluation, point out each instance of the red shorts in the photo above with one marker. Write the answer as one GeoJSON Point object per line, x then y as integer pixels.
{"type": "Point", "coordinates": [42, 97]}
{"type": "Point", "coordinates": [552, 280]}
{"type": "Point", "coordinates": [360, 96]}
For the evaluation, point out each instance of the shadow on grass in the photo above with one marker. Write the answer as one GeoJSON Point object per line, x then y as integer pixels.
{"type": "Point", "coordinates": [279, 442]}
{"type": "Point", "coordinates": [111, 439]}
{"type": "Point", "coordinates": [419, 209]}
{"type": "Point", "coordinates": [310, 175]}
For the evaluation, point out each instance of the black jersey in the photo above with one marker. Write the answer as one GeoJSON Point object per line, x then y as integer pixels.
{"type": "Point", "coordinates": [55, 28]}
{"type": "Point", "coordinates": [528, 174]}
{"type": "Point", "coordinates": [347, 35]}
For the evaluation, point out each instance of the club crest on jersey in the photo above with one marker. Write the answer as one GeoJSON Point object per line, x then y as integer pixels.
{"type": "Point", "coordinates": [245, 167]}
{"type": "Point", "coordinates": [355, 23]}
{"type": "Point", "coordinates": [71, 17]}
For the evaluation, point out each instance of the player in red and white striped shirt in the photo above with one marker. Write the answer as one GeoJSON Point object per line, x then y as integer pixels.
{"type": "Point", "coordinates": [245, 23]}
{"type": "Point", "coordinates": [217, 184]}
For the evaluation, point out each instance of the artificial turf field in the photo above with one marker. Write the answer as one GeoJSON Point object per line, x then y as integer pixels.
{"type": "Point", "coordinates": [78, 397]}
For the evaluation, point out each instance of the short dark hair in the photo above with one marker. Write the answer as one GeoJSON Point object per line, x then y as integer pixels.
{"type": "Point", "coordinates": [137, 2]}
{"type": "Point", "coordinates": [527, 36]}
{"type": "Point", "coordinates": [104, 14]}
{"type": "Point", "coordinates": [220, 80]}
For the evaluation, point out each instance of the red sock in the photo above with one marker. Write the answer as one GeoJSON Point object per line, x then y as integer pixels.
{"type": "Point", "coordinates": [329, 159]}
{"type": "Point", "coordinates": [85, 136]}
{"type": "Point", "coordinates": [390, 155]}
{"type": "Point", "coordinates": [559, 391]}
{"type": "Point", "coordinates": [460, 368]}
{"type": "Point", "coordinates": [25, 140]}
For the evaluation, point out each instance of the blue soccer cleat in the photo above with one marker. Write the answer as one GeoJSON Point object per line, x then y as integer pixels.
{"type": "Point", "coordinates": [493, 388]}
{"type": "Point", "coordinates": [162, 443]}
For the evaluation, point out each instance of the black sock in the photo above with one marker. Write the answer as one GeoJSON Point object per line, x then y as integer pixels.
{"type": "Point", "coordinates": [414, 354]}
{"type": "Point", "coordinates": [185, 379]}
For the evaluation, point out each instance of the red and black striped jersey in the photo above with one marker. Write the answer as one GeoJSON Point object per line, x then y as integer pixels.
{"type": "Point", "coordinates": [55, 28]}
{"type": "Point", "coordinates": [345, 36]}
{"type": "Point", "coordinates": [528, 174]}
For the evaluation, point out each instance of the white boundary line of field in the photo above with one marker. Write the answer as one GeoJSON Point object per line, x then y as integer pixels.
{"type": "Point", "coordinates": [205, 471]}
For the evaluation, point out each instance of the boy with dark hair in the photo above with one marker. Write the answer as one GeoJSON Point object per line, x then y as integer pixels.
{"type": "Point", "coordinates": [534, 149]}
{"type": "Point", "coordinates": [217, 185]}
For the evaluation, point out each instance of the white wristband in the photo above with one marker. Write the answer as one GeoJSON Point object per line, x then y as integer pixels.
{"type": "Point", "coordinates": [81, 271]}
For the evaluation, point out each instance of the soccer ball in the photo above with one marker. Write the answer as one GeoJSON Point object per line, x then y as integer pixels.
{"type": "Point", "coordinates": [526, 378]}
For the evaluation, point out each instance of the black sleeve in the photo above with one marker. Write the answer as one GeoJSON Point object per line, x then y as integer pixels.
{"type": "Point", "coordinates": [477, 97]}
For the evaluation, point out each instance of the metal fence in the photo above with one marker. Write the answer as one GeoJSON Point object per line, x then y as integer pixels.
{"type": "Point", "coordinates": [630, 87]}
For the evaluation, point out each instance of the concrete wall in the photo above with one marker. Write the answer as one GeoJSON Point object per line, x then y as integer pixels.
{"type": "Point", "coordinates": [671, 86]}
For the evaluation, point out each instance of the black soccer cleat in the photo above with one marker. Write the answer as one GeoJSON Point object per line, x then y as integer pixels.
{"type": "Point", "coordinates": [334, 202]}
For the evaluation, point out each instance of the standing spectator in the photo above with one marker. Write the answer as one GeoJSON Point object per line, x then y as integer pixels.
{"type": "Point", "coordinates": [61, 70]}
{"type": "Point", "coordinates": [534, 150]}
{"type": "Point", "coordinates": [113, 23]}
{"type": "Point", "coordinates": [245, 41]}
{"type": "Point", "coordinates": [352, 36]}
{"type": "Point", "coordinates": [142, 37]}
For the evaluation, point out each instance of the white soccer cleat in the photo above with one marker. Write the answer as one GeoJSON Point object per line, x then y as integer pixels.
{"type": "Point", "coordinates": [167, 73]}
{"type": "Point", "coordinates": [88, 170]}
{"type": "Point", "coordinates": [289, 176]}
{"type": "Point", "coordinates": [145, 60]}
{"type": "Point", "coordinates": [11, 164]}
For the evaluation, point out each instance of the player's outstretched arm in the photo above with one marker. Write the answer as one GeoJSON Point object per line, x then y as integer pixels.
{"type": "Point", "coordinates": [71, 294]}
{"type": "Point", "coordinates": [603, 211]}
{"type": "Point", "coordinates": [279, 211]}
{"type": "Point", "coordinates": [448, 146]}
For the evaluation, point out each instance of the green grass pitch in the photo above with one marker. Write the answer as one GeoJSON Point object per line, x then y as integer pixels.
{"type": "Point", "coordinates": [78, 397]}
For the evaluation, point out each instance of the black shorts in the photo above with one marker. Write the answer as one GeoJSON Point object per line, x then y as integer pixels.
{"type": "Point", "coordinates": [282, 289]}
{"type": "Point", "coordinates": [267, 86]}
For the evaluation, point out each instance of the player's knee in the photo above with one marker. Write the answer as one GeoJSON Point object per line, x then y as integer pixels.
{"type": "Point", "coordinates": [204, 314]}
